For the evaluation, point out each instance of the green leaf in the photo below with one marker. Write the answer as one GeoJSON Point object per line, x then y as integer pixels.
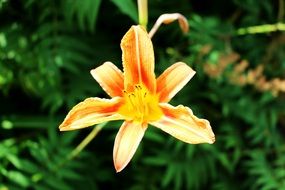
{"type": "Point", "coordinates": [127, 7]}
{"type": "Point", "coordinates": [28, 166]}
{"type": "Point", "coordinates": [154, 135]}
{"type": "Point", "coordinates": [155, 161]}
{"type": "Point", "coordinates": [94, 5]}
{"type": "Point", "coordinates": [169, 175]}
{"type": "Point", "coordinates": [18, 178]}
{"type": "Point", "coordinates": [41, 187]}
{"type": "Point", "coordinates": [67, 138]}
{"type": "Point", "coordinates": [56, 183]}
{"type": "Point", "coordinates": [14, 160]}
{"type": "Point", "coordinates": [69, 174]}
{"type": "Point", "coordinates": [85, 11]}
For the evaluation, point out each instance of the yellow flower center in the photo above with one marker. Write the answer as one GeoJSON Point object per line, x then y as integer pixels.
{"type": "Point", "coordinates": [140, 105]}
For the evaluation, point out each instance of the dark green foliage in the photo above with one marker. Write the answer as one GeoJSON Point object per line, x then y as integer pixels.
{"type": "Point", "coordinates": [47, 49]}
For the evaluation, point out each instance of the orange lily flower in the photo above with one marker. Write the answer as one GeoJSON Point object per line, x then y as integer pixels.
{"type": "Point", "coordinates": [140, 99]}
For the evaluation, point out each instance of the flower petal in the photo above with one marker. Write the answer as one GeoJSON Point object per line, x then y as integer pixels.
{"type": "Point", "coordinates": [110, 78]}
{"type": "Point", "coordinates": [127, 142]}
{"type": "Point", "coordinates": [90, 112]}
{"type": "Point", "coordinates": [172, 80]}
{"type": "Point", "coordinates": [138, 58]}
{"type": "Point", "coordinates": [182, 124]}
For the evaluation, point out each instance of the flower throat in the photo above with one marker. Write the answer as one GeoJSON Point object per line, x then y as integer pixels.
{"type": "Point", "coordinates": [140, 105]}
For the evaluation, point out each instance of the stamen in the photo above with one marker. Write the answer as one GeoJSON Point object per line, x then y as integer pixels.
{"type": "Point", "coordinates": [140, 105]}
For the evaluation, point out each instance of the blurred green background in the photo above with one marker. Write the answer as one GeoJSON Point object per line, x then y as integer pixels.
{"type": "Point", "coordinates": [47, 49]}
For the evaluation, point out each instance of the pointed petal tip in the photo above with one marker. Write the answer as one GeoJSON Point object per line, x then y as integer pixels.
{"type": "Point", "coordinates": [182, 124]}
{"type": "Point", "coordinates": [63, 129]}
{"type": "Point", "coordinates": [126, 143]}
{"type": "Point", "coordinates": [92, 72]}
{"type": "Point", "coordinates": [212, 139]}
{"type": "Point", "coordinates": [91, 111]}
{"type": "Point", "coordinates": [118, 169]}
{"type": "Point", "coordinates": [118, 165]}
{"type": "Point", "coordinates": [211, 136]}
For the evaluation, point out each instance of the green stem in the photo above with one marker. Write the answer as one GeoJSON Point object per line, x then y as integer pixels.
{"type": "Point", "coordinates": [143, 12]}
{"type": "Point", "coordinates": [266, 28]}
{"type": "Point", "coordinates": [86, 141]}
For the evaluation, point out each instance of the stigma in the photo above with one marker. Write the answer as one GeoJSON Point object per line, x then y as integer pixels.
{"type": "Point", "coordinates": [140, 105]}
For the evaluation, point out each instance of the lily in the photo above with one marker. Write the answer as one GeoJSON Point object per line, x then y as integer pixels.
{"type": "Point", "coordinates": [139, 99]}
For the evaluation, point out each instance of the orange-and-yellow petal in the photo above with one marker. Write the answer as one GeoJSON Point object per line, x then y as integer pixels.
{"type": "Point", "coordinates": [172, 80]}
{"type": "Point", "coordinates": [90, 112]}
{"type": "Point", "coordinates": [138, 59]}
{"type": "Point", "coordinates": [110, 78]}
{"type": "Point", "coordinates": [182, 124]}
{"type": "Point", "coordinates": [127, 142]}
